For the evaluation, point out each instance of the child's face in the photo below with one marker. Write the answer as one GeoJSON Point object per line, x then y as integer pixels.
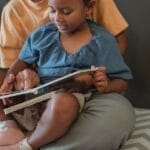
{"type": "Point", "coordinates": [68, 15]}
{"type": "Point", "coordinates": [36, 0]}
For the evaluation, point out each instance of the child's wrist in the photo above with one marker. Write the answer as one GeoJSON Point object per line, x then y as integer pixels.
{"type": "Point", "coordinates": [107, 89]}
{"type": "Point", "coordinates": [10, 78]}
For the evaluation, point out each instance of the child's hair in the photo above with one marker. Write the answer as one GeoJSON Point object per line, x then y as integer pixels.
{"type": "Point", "coordinates": [86, 2]}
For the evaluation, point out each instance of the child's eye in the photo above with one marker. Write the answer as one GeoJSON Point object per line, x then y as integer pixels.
{"type": "Point", "coordinates": [66, 11]}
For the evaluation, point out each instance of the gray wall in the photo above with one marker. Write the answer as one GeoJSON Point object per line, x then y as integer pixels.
{"type": "Point", "coordinates": [137, 13]}
{"type": "Point", "coordinates": [2, 4]}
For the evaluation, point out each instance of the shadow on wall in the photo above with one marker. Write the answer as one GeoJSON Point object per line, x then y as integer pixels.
{"type": "Point", "coordinates": [138, 53]}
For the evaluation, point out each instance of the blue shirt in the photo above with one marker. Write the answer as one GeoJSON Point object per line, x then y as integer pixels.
{"type": "Point", "coordinates": [44, 48]}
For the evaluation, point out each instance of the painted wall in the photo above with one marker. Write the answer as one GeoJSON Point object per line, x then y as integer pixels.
{"type": "Point", "coordinates": [137, 13]}
{"type": "Point", "coordinates": [2, 4]}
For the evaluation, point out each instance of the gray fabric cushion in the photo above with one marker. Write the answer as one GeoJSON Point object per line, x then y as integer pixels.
{"type": "Point", "coordinates": [140, 138]}
{"type": "Point", "coordinates": [106, 122]}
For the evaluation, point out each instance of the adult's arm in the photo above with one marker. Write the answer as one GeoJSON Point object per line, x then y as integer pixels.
{"type": "Point", "coordinates": [108, 15]}
{"type": "Point", "coordinates": [122, 41]}
{"type": "Point", "coordinates": [17, 22]}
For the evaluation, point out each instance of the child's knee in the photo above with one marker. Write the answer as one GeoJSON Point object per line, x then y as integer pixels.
{"type": "Point", "coordinates": [10, 133]}
{"type": "Point", "coordinates": [63, 106]}
{"type": "Point", "coordinates": [65, 103]}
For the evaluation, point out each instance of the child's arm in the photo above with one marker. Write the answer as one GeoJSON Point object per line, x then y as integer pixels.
{"type": "Point", "coordinates": [116, 85]}
{"type": "Point", "coordinates": [77, 84]}
{"type": "Point", "coordinates": [10, 78]}
{"type": "Point", "coordinates": [18, 66]}
{"type": "Point", "coordinates": [85, 80]}
{"type": "Point", "coordinates": [106, 85]}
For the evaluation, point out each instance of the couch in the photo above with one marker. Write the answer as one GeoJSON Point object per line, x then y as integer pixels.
{"type": "Point", "coordinates": [138, 58]}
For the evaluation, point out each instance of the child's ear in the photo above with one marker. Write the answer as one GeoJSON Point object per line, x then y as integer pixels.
{"type": "Point", "coordinates": [90, 7]}
{"type": "Point", "coordinates": [92, 3]}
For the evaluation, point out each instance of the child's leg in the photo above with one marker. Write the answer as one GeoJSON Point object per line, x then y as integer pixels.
{"type": "Point", "coordinates": [9, 131]}
{"type": "Point", "coordinates": [59, 114]}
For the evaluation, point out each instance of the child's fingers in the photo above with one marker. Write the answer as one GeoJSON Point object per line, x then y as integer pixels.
{"type": "Point", "coordinates": [100, 78]}
{"type": "Point", "coordinates": [98, 70]}
{"type": "Point", "coordinates": [19, 84]}
{"type": "Point", "coordinates": [4, 102]}
{"type": "Point", "coordinates": [11, 78]}
{"type": "Point", "coordinates": [7, 102]}
{"type": "Point", "coordinates": [27, 84]}
{"type": "Point", "coordinates": [101, 69]}
{"type": "Point", "coordinates": [26, 79]}
{"type": "Point", "coordinates": [93, 68]}
{"type": "Point", "coordinates": [31, 79]}
{"type": "Point", "coordinates": [6, 88]}
{"type": "Point", "coordinates": [99, 75]}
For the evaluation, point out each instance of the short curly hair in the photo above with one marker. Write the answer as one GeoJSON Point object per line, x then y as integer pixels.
{"type": "Point", "coordinates": [86, 2]}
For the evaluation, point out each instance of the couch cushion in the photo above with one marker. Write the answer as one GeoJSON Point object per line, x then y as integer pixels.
{"type": "Point", "coordinates": [140, 138]}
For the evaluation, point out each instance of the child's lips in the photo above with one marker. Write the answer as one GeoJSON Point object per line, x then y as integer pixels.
{"type": "Point", "coordinates": [62, 27]}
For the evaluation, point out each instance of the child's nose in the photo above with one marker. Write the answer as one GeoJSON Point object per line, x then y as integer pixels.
{"type": "Point", "coordinates": [59, 18]}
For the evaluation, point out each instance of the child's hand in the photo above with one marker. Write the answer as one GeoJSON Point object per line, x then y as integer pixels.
{"type": "Point", "coordinates": [6, 87]}
{"type": "Point", "coordinates": [78, 84]}
{"type": "Point", "coordinates": [101, 80]}
{"type": "Point", "coordinates": [26, 79]}
{"type": "Point", "coordinates": [84, 79]}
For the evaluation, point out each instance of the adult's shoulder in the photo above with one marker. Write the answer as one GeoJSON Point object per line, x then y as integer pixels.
{"type": "Point", "coordinates": [12, 12]}
{"type": "Point", "coordinates": [12, 6]}
{"type": "Point", "coordinates": [108, 15]}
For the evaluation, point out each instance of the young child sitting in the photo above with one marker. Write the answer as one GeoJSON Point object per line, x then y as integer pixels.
{"type": "Point", "coordinates": [69, 43]}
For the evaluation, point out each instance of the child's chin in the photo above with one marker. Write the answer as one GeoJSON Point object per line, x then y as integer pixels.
{"type": "Point", "coordinates": [62, 30]}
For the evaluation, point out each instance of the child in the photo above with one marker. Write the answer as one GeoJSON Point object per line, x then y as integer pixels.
{"type": "Point", "coordinates": [23, 22]}
{"type": "Point", "coordinates": [69, 43]}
